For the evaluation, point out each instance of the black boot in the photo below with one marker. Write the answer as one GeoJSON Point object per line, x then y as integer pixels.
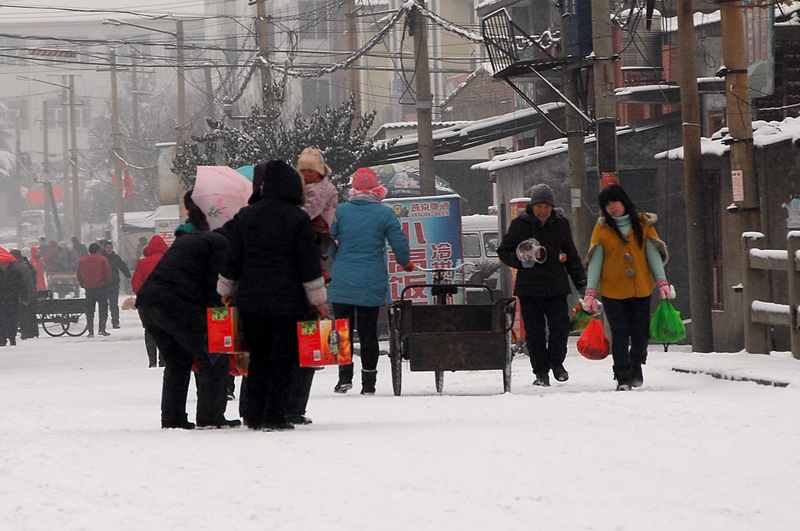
{"type": "Point", "coordinates": [542, 380]}
{"type": "Point", "coordinates": [560, 373]}
{"type": "Point", "coordinates": [345, 379]}
{"type": "Point", "coordinates": [637, 377]}
{"type": "Point", "coordinates": [623, 377]}
{"type": "Point", "coordinates": [300, 420]}
{"type": "Point", "coordinates": [368, 379]}
{"type": "Point", "coordinates": [183, 424]}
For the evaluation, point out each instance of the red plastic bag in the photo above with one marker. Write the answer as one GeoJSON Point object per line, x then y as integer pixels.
{"type": "Point", "coordinates": [593, 344]}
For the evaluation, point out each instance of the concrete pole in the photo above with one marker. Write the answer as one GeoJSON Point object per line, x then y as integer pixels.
{"type": "Point", "coordinates": [119, 170]}
{"type": "Point", "coordinates": [183, 126]}
{"type": "Point", "coordinates": [45, 142]}
{"type": "Point", "coordinates": [604, 100]}
{"type": "Point", "coordinates": [68, 213]}
{"type": "Point", "coordinates": [353, 74]}
{"type": "Point", "coordinates": [76, 187]}
{"type": "Point", "coordinates": [263, 50]}
{"type": "Point", "coordinates": [694, 189]}
{"type": "Point", "coordinates": [424, 99]}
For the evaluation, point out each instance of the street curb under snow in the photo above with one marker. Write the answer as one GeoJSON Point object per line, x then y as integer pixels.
{"type": "Point", "coordinates": [732, 377]}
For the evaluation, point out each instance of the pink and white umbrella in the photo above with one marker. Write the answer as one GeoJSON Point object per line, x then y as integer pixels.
{"type": "Point", "coordinates": [220, 192]}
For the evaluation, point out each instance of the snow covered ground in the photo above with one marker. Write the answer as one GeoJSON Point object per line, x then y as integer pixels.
{"type": "Point", "coordinates": [81, 449]}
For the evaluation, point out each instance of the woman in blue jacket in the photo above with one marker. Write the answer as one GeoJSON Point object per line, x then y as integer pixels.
{"type": "Point", "coordinates": [359, 281]}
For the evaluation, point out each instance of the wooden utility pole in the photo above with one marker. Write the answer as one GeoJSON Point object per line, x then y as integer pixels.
{"type": "Point", "coordinates": [738, 114]}
{"type": "Point", "coordinates": [137, 128]}
{"type": "Point", "coordinates": [209, 90]}
{"type": "Point", "coordinates": [45, 142]}
{"type": "Point", "coordinates": [119, 171]}
{"type": "Point", "coordinates": [353, 74]}
{"type": "Point", "coordinates": [68, 212]}
{"type": "Point", "coordinates": [183, 126]}
{"type": "Point", "coordinates": [263, 52]}
{"type": "Point", "coordinates": [582, 222]}
{"type": "Point", "coordinates": [73, 161]}
{"type": "Point", "coordinates": [694, 189]}
{"type": "Point", "coordinates": [605, 105]}
{"type": "Point", "coordinates": [422, 86]}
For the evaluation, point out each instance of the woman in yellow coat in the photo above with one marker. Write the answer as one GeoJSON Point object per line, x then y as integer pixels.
{"type": "Point", "coordinates": [626, 263]}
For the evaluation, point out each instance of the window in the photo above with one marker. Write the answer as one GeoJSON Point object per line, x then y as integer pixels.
{"type": "Point", "coordinates": [313, 18]}
{"type": "Point", "coordinates": [472, 245]}
{"type": "Point", "coordinates": [491, 241]}
{"type": "Point", "coordinates": [316, 93]}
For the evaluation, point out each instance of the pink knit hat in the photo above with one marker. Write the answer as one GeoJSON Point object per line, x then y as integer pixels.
{"type": "Point", "coordinates": [366, 181]}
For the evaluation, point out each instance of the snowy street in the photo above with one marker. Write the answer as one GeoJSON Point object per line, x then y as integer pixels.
{"type": "Point", "coordinates": [82, 449]}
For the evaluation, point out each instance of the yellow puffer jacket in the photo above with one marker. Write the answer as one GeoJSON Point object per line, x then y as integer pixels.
{"type": "Point", "coordinates": [626, 273]}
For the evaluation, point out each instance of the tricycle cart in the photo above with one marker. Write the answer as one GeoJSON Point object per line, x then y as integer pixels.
{"type": "Point", "coordinates": [450, 337]}
{"type": "Point", "coordinates": [63, 284]}
{"type": "Point", "coordinates": [61, 316]}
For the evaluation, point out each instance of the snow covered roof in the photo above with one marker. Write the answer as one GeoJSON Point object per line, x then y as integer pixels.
{"type": "Point", "coordinates": [483, 67]}
{"type": "Point", "coordinates": [764, 134]}
{"type": "Point", "coordinates": [548, 149]}
{"type": "Point", "coordinates": [413, 125]}
{"type": "Point", "coordinates": [785, 13]}
{"type": "Point", "coordinates": [466, 135]}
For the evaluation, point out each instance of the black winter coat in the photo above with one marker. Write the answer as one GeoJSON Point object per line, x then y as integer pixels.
{"type": "Point", "coordinates": [272, 251]}
{"type": "Point", "coordinates": [185, 280]}
{"type": "Point", "coordinates": [117, 266]}
{"type": "Point", "coordinates": [550, 278]}
{"type": "Point", "coordinates": [14, 284]}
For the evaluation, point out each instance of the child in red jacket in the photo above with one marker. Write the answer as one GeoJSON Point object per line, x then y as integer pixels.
{"type": "Point", "coordinates": [153, 253]}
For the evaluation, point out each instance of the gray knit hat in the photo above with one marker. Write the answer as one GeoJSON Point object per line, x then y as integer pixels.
{"type": "Point", "coordinates": [542, 193]}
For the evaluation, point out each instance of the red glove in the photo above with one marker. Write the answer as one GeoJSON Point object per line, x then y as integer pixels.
{"type": "Point", "coordinates": [409, 267]}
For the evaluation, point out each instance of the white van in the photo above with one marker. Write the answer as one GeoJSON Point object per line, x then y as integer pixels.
{"type": "Point", "coordinates": [479, 240]}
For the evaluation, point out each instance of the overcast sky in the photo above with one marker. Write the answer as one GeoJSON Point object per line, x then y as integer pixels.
{"type": "Point", "coordinates": [151, 6]}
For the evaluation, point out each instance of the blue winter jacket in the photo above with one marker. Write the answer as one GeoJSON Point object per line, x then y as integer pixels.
{"type": "Point", "coordinates": [359, 274]}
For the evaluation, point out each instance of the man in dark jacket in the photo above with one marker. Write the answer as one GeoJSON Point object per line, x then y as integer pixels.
{"type": "Point", "coordinates": [273, 267]}
{"type": "Point", "coordinates": [13, 284]}
{"type": "Point", "coordinates": [94, 274]}
{"type": "Point", "coordinates": [542, 283]}
{"type": "Point", "coordinates": [27, 314]}
{"type": "Point", "coordinates": [117, 266]}
{"type": "Point", "coordinates": [172, 303]}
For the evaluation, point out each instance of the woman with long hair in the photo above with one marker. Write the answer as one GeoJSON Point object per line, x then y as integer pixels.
{"type": "Point", "coordinates": [626, 262]}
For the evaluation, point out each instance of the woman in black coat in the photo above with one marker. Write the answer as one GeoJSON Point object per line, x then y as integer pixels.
{"type": "Point", "coordinates": [173, 302]}
{"type": "Point", "coordinates": [273, 268]}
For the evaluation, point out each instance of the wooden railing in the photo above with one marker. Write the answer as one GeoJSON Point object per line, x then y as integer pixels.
{"type": "Point", "coordinates": [761, 314]}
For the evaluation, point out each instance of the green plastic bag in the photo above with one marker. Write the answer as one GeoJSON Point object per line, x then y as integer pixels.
{"type": "Point", "coordinates": [579, 319]}
{"type": "Point", "coordinates": [666, 325]}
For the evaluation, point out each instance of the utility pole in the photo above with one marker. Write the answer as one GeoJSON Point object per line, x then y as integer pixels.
{"type": "Point", "coordinates": [209, 90]}
{"type": "Point", "coordinates": [424, 101]}
{"type": "Point", "coordinates": [738, 114]}
{"type": "Point", "coordinates": [116, 154]}
{"type": "Point", "coordinates": [68, 212]}
{"type": "Point", "coordinates": [137, 128]}
{"type": "Point", "coordinates": [45, 142]}
{"type": "Point", "coordinates": [694, 189]}
{"type": "Point", "coordinates": [17, 165]}
{"type": "Point", "coordinates": [263, 52]}
{"type": "Point", "coordinates": [183, 127]}
{"type": "Point", "coordinates": [73, 132]}
{"type": "Point", "coordinates": [353, 75]}
{"type": "Point", "coordinates": [604, 101]}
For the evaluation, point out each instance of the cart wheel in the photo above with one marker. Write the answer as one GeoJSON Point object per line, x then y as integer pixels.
{"type": "Point", "coordinates": [77, 325]}
{"type": "Point", "coordinates": [439, 381]}
{"type": "Point", "coordinates": [54, 328]}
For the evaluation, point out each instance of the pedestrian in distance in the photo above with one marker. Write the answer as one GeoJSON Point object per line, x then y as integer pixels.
{"type": "Point", "coordinates": [94, 276]}
{"type": "Point", "coordinates": [26, 318]}
{"type": "Point", "coordinates": [172, 302]}
{"type": "Point", "coordinates": [153, 252]}
{"type": "Point", "coordinates": [118, 268]}
{"type": "Point", "coordinates": [359, 280]}
{"type": "Point", "coordinates": [626, 263]}
{"type": "Point", "coordinates": [273, 268]}
{"type": "Point", "coordinates": [13, 285]}
{"type": "Point", "coordinates": [544, 269]}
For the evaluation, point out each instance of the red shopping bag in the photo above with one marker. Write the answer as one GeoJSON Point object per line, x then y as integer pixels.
{"type": "Point", "coordinates": [593, 344]}
{"type": "Point", "coordinates": [324, 342]}
{"type": "Point", "coordinates": [223, 330]}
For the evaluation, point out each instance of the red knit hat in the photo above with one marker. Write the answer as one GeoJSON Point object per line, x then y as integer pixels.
{"type": "Point", "coordinates": [365, 179]}
{"type": "Point", "coordinates": [6, 257]}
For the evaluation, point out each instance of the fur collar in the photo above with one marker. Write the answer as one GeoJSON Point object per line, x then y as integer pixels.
{"type": "Point", "coordinates": [648, 218]}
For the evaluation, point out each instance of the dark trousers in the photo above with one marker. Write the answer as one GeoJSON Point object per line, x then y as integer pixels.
{"type": "Point", "coordinates": [365, 320]}
{"type": "Point", "coordinates": [9, 321]}
{"type": "Point", "coordinates": [29, 326]}
{"type": "Point", "coordinates": [211, 380]}
{"type": "Point", "coordinates": [300, 391]}
{"type": "Point", "coordinates": [112, 292]}
{"type": "Point", "coordinates": [630, 331]}
{"type": "Point", "coordinates": [272, 341]}
{"type": "Point", "coordinates": [99, 297]}
{"type": "Point", "coordinates": [546, 322]}
{"type": "Point", "coordinates": [178, 348]}
{"type": "Point", "coordinates": [151, 345]}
